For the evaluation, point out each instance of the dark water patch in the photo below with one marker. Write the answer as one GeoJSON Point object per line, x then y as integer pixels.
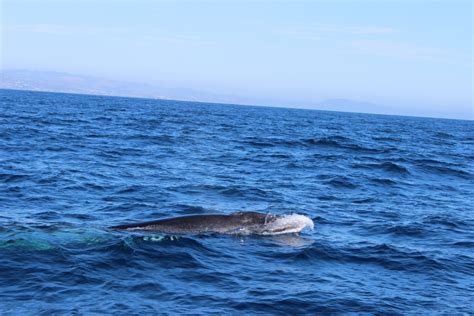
{"type": "Point", "coordinates": [81, 216]}
{"type": "Point", "coordinates": [228, 191]}
{"type": "Point", "coordinates": [260, 144]}
{"type": "Point", "coordinates": [390, 167]}
{"type": "Point", "coordinates": [96, 135]}
{"type": "Point", "coordinates": [389, 215]}
{"type": "Point", "coordinates": [13, 177]}
{"type": "Point", "coordinates": [13, 189]}
{"type": "Point", "coordinates": [152, 139]}
{"type": "Point", "coordinates": [323, 142]}
{"type": "Point", "coordinates": [345, 144]}
{"type": "Point", "coordinates": [409, 230]}
{"type": "Point", "coordinates": [393, 167]}
{"type": "Point", "coordinates": [392, 258]}
{"type": "Point", "coordinates": [425, 161]}
{"type": "Point", "coordinates": [327, 198]}
{"type": "Point", "coordinates": [450, 171]}
{"type": "Point", "coordinates": [383, 181]}
{"type": "Point", "coordinates": [342, 182]}
{"type": "Point", "coordinates": [368, 200]}
{"type": "Point", "coordinates": [48, 215]}
{"type": "Point", "coordinates": [333, 140]}
{"type": "Point", "coordinates": [318, 252]}
{"type": "Point", "coordinates": [383, 255]}
{"type": "Point", "coordinates": [328, 157]}
{"type": "Point", "coordinates": [270, 142]}
{"type": "Point", "coordinates": [130, 190]}
{"type": "Point", "coordinates": [320, 220]}
{"type": "Point", "coordinates": [147, 287]}
{"type": "Point", "coordinates": [87, 186]}
{"type": "Point", "coordinates": [443, 135]}
{"type": "Point", "coordinates": [295, 305]}
{"type": "Point", "coordinates": [449, 221]}
{"type": "Point", "coordinates": [441, 164]}
{"type": "Point", "coordinates": [281, 156]}
{"type": "Point", "coordinates": [57, 149]}
{"type": "Point", "coordinates": [167, 258]}
{"type": "Point", "coordinates": [465, 243]}
{"type": "Point", "coordinates": [387, 139]}
{"type": "Point", "coordinates": [39, 199]}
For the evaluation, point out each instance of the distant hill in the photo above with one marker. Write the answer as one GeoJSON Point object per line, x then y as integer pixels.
{"type": "Point", "coordinates": [72, 83]}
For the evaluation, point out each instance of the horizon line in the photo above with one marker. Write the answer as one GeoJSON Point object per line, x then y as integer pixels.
{"type": "Point", "coordinates": [234, 104]}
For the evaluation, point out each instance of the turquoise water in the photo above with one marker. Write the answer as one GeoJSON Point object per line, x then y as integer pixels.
{"type": "Point", "coordinates": [391, 198]}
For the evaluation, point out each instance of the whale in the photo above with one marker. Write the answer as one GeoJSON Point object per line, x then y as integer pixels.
{"type": "Point", "coordinates": [238, 223]}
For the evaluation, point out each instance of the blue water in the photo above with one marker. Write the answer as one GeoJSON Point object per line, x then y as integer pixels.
{"type": "Point", "coordinates": [391, 198]}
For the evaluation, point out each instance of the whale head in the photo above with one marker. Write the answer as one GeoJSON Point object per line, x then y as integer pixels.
{"type": "Point", "coordinates": [268, 224]}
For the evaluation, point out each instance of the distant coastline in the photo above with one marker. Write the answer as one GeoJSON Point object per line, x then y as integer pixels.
{"type": "Point", "coordinates": [58, 82]}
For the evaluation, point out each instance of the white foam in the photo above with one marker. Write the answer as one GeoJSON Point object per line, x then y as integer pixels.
{"type": "Point", "coordinates": [287, 224]}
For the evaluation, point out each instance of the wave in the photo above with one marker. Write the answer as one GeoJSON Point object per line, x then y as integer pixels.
{"type": "Point", "coordinates": [10, 177]}
{"type": "Point", "coordinates": [387, 256]}
{"type": "Point", "coordinates": [367, 200]}
{"type": "Point", "coordinates": [154, 139]}
{"type": "Point", "coordinates": [387, 166]}
{"type": "Point", "coordinates": [447, 221]}
{"type": "Point", "coordinates": [344, 143]}
{"type": "Point", "coordinates": [336, 142]}
{"type": "Point", "coordinates": [443, 135]}
{"type": "Point", "coordinates": [444, 170]}
{"type": "Point", "coordinates": [410, 230]}
{"type": "Point", "coordinates": [465, 243]}
{"type": "Point", "coordinates": [228, 191]}
{"type": "Point", "coordinates": [384, 181]}
{"type": "Point", "coordinates": [269, 142]}
{"type": "Point", "coordinates": [387, 139]}
{"type": "Point", "coordinates": [342, 183]}
{"type": "Point", "coordinates": [393, 258]}
{"type": "Point", "coordinates": [436, 166]}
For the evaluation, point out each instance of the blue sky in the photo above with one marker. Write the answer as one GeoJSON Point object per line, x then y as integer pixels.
{"type": "Point", "coordinates": [415, 56]}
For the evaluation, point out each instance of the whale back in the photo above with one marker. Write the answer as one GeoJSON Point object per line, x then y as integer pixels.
{"type": "Point", "coordinates": [202, 223]}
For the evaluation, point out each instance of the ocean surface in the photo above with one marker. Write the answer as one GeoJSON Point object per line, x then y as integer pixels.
{"type": "Point", "coordinates": [392, 200]}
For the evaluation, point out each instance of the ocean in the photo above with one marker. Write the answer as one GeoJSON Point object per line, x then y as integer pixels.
{"type": "Point", "coordinates": [391, 198]}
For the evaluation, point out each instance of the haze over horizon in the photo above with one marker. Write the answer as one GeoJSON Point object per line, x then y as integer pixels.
{"type": "Point", "coordinates": [412, 57]}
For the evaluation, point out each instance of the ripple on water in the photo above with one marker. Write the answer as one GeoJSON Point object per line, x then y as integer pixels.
{"type": "Point", "coordinates": [389, 167]}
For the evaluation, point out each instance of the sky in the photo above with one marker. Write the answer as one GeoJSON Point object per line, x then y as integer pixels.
{"type": "Point", "coordinates": [415, 56]}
